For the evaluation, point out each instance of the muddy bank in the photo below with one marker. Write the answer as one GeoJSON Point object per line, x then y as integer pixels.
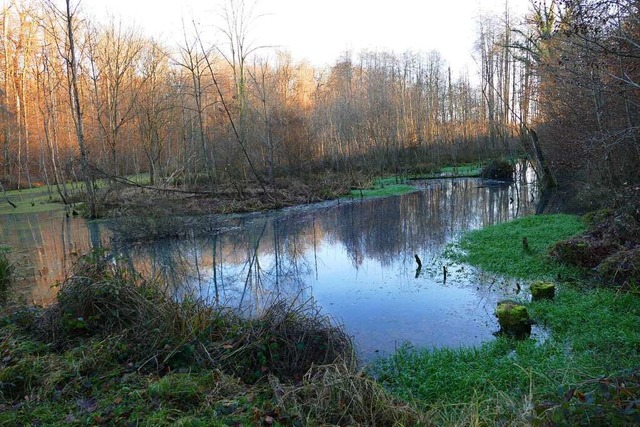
{"type": "Point", "coordinates": [137, 200]}
{"type": "Point", "coordinates": [610, 249]}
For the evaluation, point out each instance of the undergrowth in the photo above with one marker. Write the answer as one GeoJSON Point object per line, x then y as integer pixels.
{"type": "Point", "coordinates": [6, 270]}
{"type": "Point", "coordinates": [116, 349]}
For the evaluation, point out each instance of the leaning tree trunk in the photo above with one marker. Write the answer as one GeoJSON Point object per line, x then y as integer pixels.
{"type": "Point", "coordinates": [547, 179]}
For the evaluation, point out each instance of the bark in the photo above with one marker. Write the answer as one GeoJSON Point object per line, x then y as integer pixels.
{"type": "Point", "coordinates": [77, 112]}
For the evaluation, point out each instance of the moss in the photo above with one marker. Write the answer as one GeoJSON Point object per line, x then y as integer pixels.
{"type": "Point", "coordinates": [513, 318]}
{"type": "Point", "coordinates": [542, 290]}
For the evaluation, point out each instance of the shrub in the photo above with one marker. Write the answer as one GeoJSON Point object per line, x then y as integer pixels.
{"type": "Point", "coordinates": [498, 169]}
{"type": "Point", "coordinates": [622, 268]}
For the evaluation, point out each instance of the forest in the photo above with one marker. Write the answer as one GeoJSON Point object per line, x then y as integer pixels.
{"type": "Point", "coordinates": [82, 100]}
{"type": "Point", "coordinates": [195, 300]}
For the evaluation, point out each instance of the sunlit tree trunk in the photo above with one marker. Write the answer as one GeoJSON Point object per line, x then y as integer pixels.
{"type": "Point", "coordinates": [76, 106]}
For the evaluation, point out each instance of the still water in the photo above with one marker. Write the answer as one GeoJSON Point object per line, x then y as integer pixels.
{"type": "Point", "coordinates": [355, 260]}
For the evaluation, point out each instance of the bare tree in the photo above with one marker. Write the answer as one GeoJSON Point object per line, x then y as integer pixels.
{"type": "Point", "coordinates": [114, 55]}
{"type": "Point", "coordinates": [67, 50]}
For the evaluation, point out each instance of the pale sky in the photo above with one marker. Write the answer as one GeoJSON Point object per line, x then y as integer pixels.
{"type": "Point", "coordinates": [319, 31]}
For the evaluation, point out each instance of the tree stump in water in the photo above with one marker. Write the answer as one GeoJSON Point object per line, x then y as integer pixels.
{"type": "Point", "coordinates": [542, 290]}
{"type": "Point", "coordinates": [514, 319]}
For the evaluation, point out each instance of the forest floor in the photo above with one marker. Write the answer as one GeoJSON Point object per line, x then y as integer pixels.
{"type": "Point", "coordinates": [114, 350]}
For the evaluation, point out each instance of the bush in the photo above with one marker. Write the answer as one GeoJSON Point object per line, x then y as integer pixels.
{"type": "Point", "coordinates": [622, 268]}
{"type": "Point", "coordinates": [611, 245]}
{"type": "Point", "coordinates": [582, 251]}
{"type": "Point", "coordinates": [598, 401]}
{"type": "Point", "coordinates": [498, 169]}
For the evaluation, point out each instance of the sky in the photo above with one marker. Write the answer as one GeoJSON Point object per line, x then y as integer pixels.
{"type": "Point", "coordinates": [320, 31]}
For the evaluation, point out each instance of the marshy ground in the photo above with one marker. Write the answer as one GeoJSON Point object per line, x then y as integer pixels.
{"type": "Point", "coordinates": [116, 350]}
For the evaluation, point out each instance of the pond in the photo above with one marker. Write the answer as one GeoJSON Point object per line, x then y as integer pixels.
{"type": "Point", "coordinates": [355, 260]}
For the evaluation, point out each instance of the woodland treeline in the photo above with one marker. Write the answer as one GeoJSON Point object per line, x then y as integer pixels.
{"type": "Point", "coordinates": [215, 108]}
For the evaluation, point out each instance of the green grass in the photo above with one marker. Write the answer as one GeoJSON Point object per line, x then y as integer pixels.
{"type": "Point", "coordinates": [383, 187]}
{"type": "Point", "coordinates": [39, 199]}
{"type": "Point", "coordinates": [395, 185]}
{"type": "Point", "coordinates": [89, 385]}
{"type": "Point", "coordinates": [595, 333]}
{"type": "Point", "coordinates": [568, 378]}
{"type": "Point", "coordinates": [465, 170]}
{"type": "Point", "coordinates": [30, 200]}
{"type": "Point", "coordinates": [499, 249]}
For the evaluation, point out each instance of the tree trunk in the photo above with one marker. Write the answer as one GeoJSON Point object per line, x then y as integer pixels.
{"type": "Point", "coordinates": [77, 114]}
{"type": "Point", "coordinates": [547, 179]}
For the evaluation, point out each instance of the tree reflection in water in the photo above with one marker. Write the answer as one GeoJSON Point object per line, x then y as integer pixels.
{"type": "Point", "coordinates": [356, 260]}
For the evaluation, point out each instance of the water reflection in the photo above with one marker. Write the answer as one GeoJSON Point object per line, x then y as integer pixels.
{"type": "Point", "coordinates": [47, 245]}
{"type": "Point", "coordinates": [354, 259]}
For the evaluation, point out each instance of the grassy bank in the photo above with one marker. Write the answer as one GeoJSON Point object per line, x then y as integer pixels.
{"type": "Point", "coordinates": [520, 248]}
{"type": "Point", "coordinates": [395, 185]}
{"type": "Point", "coordinates": [584, 372]}
{"type": "Point", "coordinates": [116, 350]}
{"type": "Point", "coordinates": [383, 187]}
{"type": "Point", "coordinates": [46, 198]}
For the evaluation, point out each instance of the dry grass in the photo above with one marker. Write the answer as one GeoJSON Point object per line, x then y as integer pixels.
{"type": "Point", "coordinates": [6, 271]}
{"type": "Point", "coordinates": [104, 299]}
{"type": "Point", "coordinates": [337, 394]}
{"type": "Point", "coordinates": [109, 324]}
{"type": "Point", "coordinates": [285, 341]}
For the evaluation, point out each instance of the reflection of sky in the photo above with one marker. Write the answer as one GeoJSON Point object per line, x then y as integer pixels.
{"type": "Point", "coordinates": [354, 259]}
{"type": "Point", "coordinates": [357, 262]}
{"type": "Point", "coordinates": [386, 306]}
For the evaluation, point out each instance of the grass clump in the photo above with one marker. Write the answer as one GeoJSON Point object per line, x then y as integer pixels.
{"type": "Point", "coordinates": [116, 349]}
{"type": "Point", "coordinates": [105, 300]}
{"type": "Point", "coordinates": [336, 395]}
{"type": "Point", "coordinates": [501, 249]}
